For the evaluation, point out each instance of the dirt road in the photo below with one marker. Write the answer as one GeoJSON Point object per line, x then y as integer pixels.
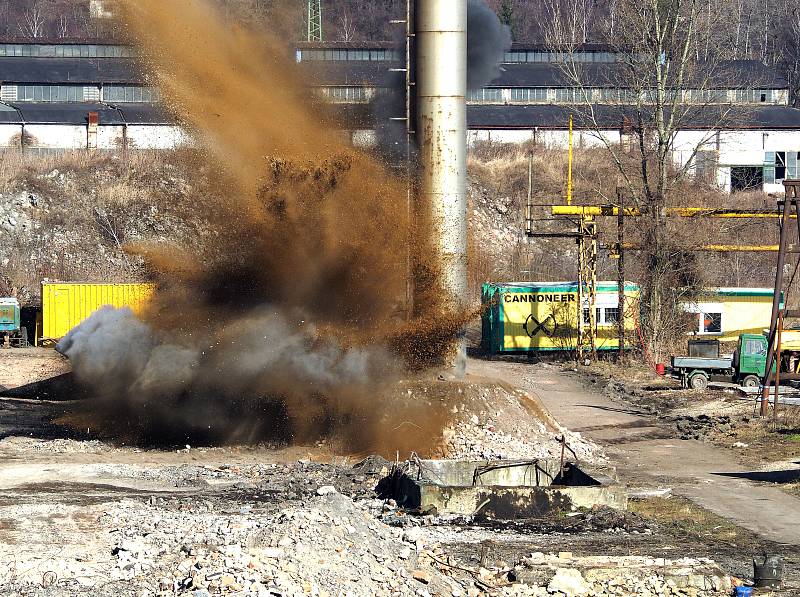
{"type": "Point", "coordinates": [647, 454]}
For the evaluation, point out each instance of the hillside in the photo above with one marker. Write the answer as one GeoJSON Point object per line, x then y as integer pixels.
{"type": "Point", "coordinates": [68, 217]}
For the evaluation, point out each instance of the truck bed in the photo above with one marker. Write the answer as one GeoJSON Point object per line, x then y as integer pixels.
{"type": "Point", "coordinates": [702, 363]}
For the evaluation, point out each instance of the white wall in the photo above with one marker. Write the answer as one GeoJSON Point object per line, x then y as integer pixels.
{"type": "Point", "coordinates": [545, 137]}
{"type": "Point", "coordinates": [66, 136]}
{"type": "Point", "coordinates": [155, 136]}
{"type": "Point", "coordinates": [55, 136]}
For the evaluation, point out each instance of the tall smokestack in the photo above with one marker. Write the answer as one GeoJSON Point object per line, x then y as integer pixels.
{"type": "Point", "coordinates": [441, 87]}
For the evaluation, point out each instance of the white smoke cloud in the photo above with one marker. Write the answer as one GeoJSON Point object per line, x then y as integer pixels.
{"type": "Point", "coordinates": [137, 370]}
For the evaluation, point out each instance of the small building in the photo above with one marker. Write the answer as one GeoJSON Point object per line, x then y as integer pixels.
{"type": "Point", "coordinates": [543, 316]}
{"type": "Point", "coordinates": [726, 313]}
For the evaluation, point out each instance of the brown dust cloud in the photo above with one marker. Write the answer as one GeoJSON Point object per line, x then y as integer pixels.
{"type": "Point", "coordinates": [292, 325]}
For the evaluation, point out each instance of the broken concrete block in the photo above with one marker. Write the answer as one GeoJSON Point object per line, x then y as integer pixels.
{"type": "Point", "coordinates": [422, 576]}
{"type": "Point", "coordinates": [568, 581]}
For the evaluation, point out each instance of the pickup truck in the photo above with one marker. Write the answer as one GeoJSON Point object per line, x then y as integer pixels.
{"type": "Point", "coordinates": [745, 366]}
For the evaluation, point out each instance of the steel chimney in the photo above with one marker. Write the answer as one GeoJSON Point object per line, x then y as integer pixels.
{"type": "Point", "coordinates": [441, 87]}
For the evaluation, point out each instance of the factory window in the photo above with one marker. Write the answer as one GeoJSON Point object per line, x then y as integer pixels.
{"type": "Point", "coordinates": [611, 315]}
{"type": "Point", "coordinates": [129, 94]}
{"type": "Point", "coordinates": [50, 93]}
{"type": "Point", "coordinates": [779, 165]}
{"type": "Point", "coordinates": [374, 55]}
{"type": "Point", "coordinates": [568, 95]}
{"type": "Point", "coordinates": [66, 50]}
{"type": "Point", "coordinates": [754, 96]}
{"type": "Point", "coordinates": [518, 56]}
{"type": "Point", "coordinates": [345, 94]}
{"type": "Point", "coordinates": [529, 94]}
{"type": "Point", "coordinates": [487, 95]}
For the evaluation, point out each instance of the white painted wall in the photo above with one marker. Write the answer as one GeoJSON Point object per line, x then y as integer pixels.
{"type": "Point", "coordinates": [548, 138]}
{"type": "Point", "coordinates": [55, 136]}
{"type": "Point", "coordinates": [9, 135]}
{"type": "Point", "coordinates": [155, 136]}
{"type": "Point", "coordinates": [64, 136]}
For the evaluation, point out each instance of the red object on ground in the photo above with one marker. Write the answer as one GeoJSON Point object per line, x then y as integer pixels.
{"type": "Point", "coordinates": [660, 369]}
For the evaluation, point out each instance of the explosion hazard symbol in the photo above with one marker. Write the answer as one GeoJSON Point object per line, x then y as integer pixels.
{"type": "Point", "coordinates": [533, 326]}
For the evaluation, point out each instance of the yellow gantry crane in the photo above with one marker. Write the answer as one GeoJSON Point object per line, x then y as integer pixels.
{"type": "Point", "coordinates": [586, 238]}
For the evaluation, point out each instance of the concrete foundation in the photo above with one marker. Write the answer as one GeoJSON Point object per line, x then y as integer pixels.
{"type": "Point", "coordinates": [504, 489]}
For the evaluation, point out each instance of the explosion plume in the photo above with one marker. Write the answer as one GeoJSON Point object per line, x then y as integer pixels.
{"type": "Point", "coordinates": [292, 324]}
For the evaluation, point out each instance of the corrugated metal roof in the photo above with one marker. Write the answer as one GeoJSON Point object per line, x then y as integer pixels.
{"type": "Point", "coordinates": [70, 70]}
{"type": "Point", "coordinates": [734, 74]}
{"type": "Point", "coordinates": [144, 113]}
{"type": "Point", "coordinates": [66, 113]}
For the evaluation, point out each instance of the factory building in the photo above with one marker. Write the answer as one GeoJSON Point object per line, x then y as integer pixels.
{"type": "Point", "coordinates": [58, 95]}
{"type": "Point", "coordinates": [741, 135]}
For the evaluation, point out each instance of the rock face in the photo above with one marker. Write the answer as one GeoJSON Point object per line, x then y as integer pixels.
{"type": "Point", "coordinates": [71, 222]}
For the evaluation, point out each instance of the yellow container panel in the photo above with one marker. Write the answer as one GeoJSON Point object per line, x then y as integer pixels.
{"type": "Point", "coordinates": [546, 319]}
{"type": "Point", "coordinates": [66, 304]}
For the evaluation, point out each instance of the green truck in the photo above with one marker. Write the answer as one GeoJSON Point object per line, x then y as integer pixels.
{"type": "Point", "coordinates": [745, 367]}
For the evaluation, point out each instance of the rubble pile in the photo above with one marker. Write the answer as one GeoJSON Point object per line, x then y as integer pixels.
{"type": "Point", "coordinates": [624, 575]}
{"type": "Point", "coordinates": [493, 423]}
{"type": "Point", "coordinates": [696, 427]}
{"type": "Point", "coordinates": [297, 529]}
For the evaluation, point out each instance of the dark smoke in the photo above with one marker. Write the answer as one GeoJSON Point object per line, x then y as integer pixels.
{"type": "Point", "coordinates": [487, 42]}
{"type": "Point", "coordinates": [229, 389]}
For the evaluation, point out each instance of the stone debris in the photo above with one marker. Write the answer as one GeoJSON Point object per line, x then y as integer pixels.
{"type": "Point", "coordinates": [302, 529]}
{"type": "Point", "coordinates": [493, 424]}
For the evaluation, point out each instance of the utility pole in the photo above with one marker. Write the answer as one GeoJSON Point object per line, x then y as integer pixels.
{"type": "Point", "coordinates": [621, 272]}
{"type": "Point", "coordinates": [314, 20]}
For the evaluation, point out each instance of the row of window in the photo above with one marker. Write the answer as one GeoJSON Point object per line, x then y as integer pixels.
{"type": "Point", "coordinates": [66, 50]}
{"type": "Point", "coordinates": [78, 93]}
{"type": "Point", "coordinates": [516, 56]}
{"type": "Point", "coordinates": [567, 95]}
{"type": "Point", "coordinates": [513, 56]}
{"type": "Point", "coordinates": [383, 55]}
{"type": "Point", "coordinates": [347, 94]}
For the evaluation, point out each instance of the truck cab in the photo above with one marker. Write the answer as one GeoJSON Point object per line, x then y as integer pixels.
{"type": "Point", "coordinates": [750, 359]}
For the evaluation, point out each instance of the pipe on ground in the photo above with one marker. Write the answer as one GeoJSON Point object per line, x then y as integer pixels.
{"type": "Point", "coordinates": [441, 88]}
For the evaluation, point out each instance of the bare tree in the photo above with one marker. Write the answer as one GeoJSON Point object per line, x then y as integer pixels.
{"type": "Point", "coordinates": [32, 21]}
{"type": "Point", "coordinates": [62, 26]}
{"type": "Point", "coordinates": [347, 28]}
{"type": "Point", "coordinates": [657, 89]}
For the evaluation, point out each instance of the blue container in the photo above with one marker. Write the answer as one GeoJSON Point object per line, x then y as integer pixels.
{"type": "Point", "coordinates": [744, 591]}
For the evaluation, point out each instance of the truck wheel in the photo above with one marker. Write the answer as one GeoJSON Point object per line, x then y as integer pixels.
{"type": "Point", "coordinates": [698, 381]}
{"type": "Point", "coordinates": [751, 381]}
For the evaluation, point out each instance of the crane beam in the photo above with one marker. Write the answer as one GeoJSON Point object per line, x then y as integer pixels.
{"type": "Point", "coordinates": [683, 212]}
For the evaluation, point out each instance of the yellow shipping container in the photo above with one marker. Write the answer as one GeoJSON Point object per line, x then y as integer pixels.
{"type": "Point", "coordinates": [543, 316]}
{"type": "Point", "coordinates": [66, 304]}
